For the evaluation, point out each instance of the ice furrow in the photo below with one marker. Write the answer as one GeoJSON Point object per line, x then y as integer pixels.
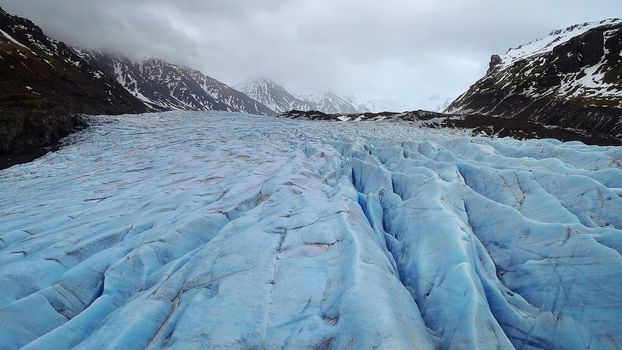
{"type": "Point", "coordinates": [505, 303]}
{"type": "Point", "coordinates": [426, 286]}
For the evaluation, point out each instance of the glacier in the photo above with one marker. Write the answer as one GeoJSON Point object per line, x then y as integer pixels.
{"type": "Point", "coordinates": [193, 230]}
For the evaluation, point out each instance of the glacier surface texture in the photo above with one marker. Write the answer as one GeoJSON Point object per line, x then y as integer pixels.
{"type": "Point", "coordinates": [222, 230]}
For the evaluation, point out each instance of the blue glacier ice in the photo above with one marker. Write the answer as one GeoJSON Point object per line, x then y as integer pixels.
{"type": "Point", "coordinates": [195, 230]}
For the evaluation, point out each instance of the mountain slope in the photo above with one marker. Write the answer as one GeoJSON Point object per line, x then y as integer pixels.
{"type": "Point", "coordinates": [43, 82]}
{"type": "Point", "coordinates": [571, 78]}
{"type": "Point", "coordinates": [164, 86]}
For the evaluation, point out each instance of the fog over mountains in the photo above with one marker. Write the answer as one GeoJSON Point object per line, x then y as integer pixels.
{"type": "Point", "coordinates": [275, 96]}
{"type": "Point", "coordinates": [418, 54]}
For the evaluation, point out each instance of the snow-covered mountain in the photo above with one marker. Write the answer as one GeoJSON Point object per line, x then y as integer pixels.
{"type": "Point", "coordinates": [442, 106]}
{"type": "Point", "coordinates": [164, 86]}
{"type": "Point", "coordinates": [331, 102]}
{"type": "Point", "coordinates": [279, 99]}
{"type": "Point", "coordinates": [272, 95]}
{"type": "Point", "coordinates": [571, 78]}
{"type": "Point", "coordinates": [212, 230]}
{"type": "Point", "coordinates": [379, 105]}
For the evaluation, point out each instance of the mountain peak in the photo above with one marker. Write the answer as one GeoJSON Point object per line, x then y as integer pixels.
{"type": "Point", "coordinates": [272, 94]}
{"type": "Point", "coordinates": [571, 78]}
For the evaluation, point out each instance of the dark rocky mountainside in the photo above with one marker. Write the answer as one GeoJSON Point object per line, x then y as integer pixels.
{"type": "Point", "coordinates": [47, 85]}
{"type": "Point", "coordinates": [571, 78]}
{"type": "Point", "coordinates": [44, 84]}
{"type": "Point", "coordinates": [475, 123]}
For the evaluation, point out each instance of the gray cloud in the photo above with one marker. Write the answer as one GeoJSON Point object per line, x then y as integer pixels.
{"type": "Point", "coordinates": [418, 53]}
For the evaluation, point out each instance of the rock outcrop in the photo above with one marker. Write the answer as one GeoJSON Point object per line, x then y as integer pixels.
{"type": "Point", "coordinates": [571, 79]}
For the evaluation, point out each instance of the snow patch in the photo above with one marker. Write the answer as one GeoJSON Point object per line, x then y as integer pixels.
{"type": "Point", "coordinates": [11, 39]}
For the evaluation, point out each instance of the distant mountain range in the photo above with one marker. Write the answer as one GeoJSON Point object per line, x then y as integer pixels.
{"type": "Point", "coordinates": [572, 78]}
{"type": "Point", "coordinates": [272, 95]}
{"type": "Point", "coordinates": [125, 86]}
{"type": "Point", "coordinates": [161, 85]}
{"type": "Point", "coordinates": [275, 96]}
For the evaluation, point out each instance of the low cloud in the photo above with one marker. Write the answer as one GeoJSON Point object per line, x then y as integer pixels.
{"type": "Point", "coordinates": [417, 53]}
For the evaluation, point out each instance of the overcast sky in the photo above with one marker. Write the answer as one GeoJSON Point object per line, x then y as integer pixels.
{"type": "Point", "coordinates": [415, 52]}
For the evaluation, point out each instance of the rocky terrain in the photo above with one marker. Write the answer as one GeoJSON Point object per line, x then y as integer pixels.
{"type": "Point", "coordinates": [45, 84]}
{"type": "Point", "coordinates": [571, 78]}
{"type": "Point", "coordinates": [475, 124]}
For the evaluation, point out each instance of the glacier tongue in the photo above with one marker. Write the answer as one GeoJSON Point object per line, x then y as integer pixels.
{"type": "Point", "coordinates": [222, 230]}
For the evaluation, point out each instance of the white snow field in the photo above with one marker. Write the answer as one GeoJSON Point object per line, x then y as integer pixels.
{"type": "Point", "coordinates": [213, 230]}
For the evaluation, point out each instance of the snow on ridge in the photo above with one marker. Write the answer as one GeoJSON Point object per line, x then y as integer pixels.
{"type": "Point", "coordinates": [11, 39]}
{"type": "Point", "coordinates": [555, 37]}
{"type": "Point", "coordinates": [222, 230]}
